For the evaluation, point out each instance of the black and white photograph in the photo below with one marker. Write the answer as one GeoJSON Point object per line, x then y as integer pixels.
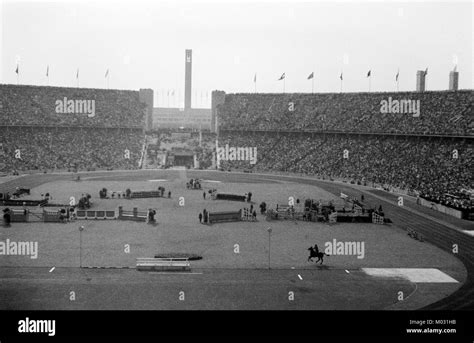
{"type": "Point", "coordinates": [303, 163]}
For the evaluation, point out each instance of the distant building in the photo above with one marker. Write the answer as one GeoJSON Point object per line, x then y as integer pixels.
{"type": "Point", "coordinates": [175, 118]}
{"type": "Point", "coordinates": [453, 80]}
{"type": "Point", "coordinates": [187, 117]}
{"type": "Point", "coordinates": [420, 80]}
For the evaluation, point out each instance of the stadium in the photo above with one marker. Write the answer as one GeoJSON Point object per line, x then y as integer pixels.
{"type": "Point", "coordinates": [240, 198]}
{"type": "Point", "coordinates": [64, 194]}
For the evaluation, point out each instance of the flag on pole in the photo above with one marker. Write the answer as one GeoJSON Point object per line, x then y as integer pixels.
{"type": "Point", "coordinates": [47, 71]}
{"type": "Point", "coordinates": [398, 74]}
{"type": "Point", "coordinates": [107, 73]}
{"type": "Point", "coordinates": [255, 78]}
{"type": "Point", "coordinates": [341, 77]}
{"type": "Point", "coordinates": [311, 76]}
{"type": "Point", "coordinates": [17, 69]}
{"type": "Point", "coordinates": [282, 77]}
{"type": "Point", "coordinates": [368, 74]}
{"type": "Point", "coordinates": [426, 71]}
{"type": "Point", "coordinates": [77, 73]}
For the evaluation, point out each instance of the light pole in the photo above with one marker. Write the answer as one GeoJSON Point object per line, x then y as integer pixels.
{"type": "Point", "coordinates": [81, 228]}
{"type": "Point", "coordinates": [269, 246]}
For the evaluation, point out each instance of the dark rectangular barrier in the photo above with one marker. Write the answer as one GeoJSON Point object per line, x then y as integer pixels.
{"type": "Point", "coordinates": [229, 216]}
{"type": "Point", "coordinates": [31, 203]}
{"type": "Point", "coordinates": [146, 194]}
{"type": "Point", "coordinates": [231, 197]}
{"type": "Point", "coordinates": [352, 218]}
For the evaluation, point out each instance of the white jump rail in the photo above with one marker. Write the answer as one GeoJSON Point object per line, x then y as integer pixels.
{"type": "Point", "coordinates": [163, 264]}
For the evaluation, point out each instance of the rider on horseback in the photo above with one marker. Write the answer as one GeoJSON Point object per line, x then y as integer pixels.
{"type": "Point", "coordinates": [314, 252]}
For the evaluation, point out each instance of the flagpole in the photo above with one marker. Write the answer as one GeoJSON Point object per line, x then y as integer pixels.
{"type": "Point", "coordinates": [284, 84]}
{"type": "Point", "coordinates": [370, 79]}
{"type": "Point", "coordinates": [17, 71]}
{"type": "Point", "coordinates": [312, 84]}
{"type": "Point", "coordinates": [397, 85]}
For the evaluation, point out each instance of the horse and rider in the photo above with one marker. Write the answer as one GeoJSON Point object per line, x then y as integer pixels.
{"type": "Point", "coordinates": [314, 252]}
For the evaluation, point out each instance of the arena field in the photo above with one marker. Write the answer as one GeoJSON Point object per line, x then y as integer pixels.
{"type": "Point", "coordinates": [234, 271]}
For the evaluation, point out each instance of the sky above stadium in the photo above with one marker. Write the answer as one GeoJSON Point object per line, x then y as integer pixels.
{"type": "Point", "coordinates": [142, 45]}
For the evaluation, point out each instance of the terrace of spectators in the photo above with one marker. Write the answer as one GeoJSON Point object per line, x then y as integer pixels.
{"type": "Point", "coordinates": [431, 155]}
{"type": "Point", "coordinates": [441, 113]}
{"type": "Point", "coordinates": [48, 140]}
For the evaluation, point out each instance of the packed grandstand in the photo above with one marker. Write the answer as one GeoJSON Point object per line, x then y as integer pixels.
{"type": "Point", "coordinates": [430, 155]}
{"type": "Point", "coordinates": [34, 136]}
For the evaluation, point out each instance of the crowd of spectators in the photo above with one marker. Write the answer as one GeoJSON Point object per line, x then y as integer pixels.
{"type": "Point", "coordinates": [62, 148]}
{"type": "Point", "coordinates": [421, 165]}
{"type": "Point", "coordinates": [441, 112]}
{"type": "Point", "coordinates": [34, 105]}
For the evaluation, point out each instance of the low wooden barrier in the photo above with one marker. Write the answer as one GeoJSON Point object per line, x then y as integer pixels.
{"type": "Point", "coordinates": [29, 203]}
{"type": "Point", "coordinates": [53, 216]}
{"type": "Point", "coordinates": [19, 216]}
{"type": "Point", "coordinates": [134, 215]}
{"type": "Point", "coordinates": [146, 194]}
{"type": "Point", "coordinates": [231, 197]}
{"type": "Point", "coordinates": [353, 217]}
{"type": "Point", "coordinates": [163, 264]}
{"type": "Point", "coordinates": [228, 216]}
{"type": "Point", "coordinates": [88, 214]}
{"type": "Point", "coordinates": [287, 212]}
{"type": "Point", "coordinates": [27, 216]}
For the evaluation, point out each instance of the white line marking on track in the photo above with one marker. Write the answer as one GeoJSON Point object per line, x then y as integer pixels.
{"type": "Point", "coordinates": [300, 277]}
{"type": "Point", "coordinates": [158, 180]}
{"type": "Point", "coordinates": [51, 270]}
{"type": "Point", "coordinates": [347, 271]}
{"type": "Point", "coordinates": [213, 181]}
